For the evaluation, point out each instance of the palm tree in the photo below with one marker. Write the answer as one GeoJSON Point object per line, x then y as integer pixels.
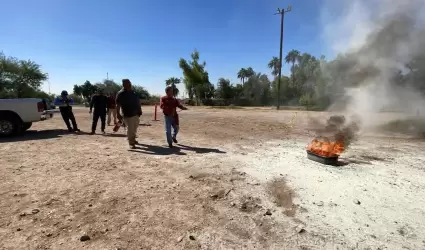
{"type": "Point", "coordinates": [274, 66]}
{"type": "Point", "coordinates": [173, 81]}
{"type": "Point", "coordinates": [292, 57]}
{"type": "Point", "coordinates": [249, 72]}
{"type": "Point", "coordinates": [196, 78]}
{"type": "Point", "coordinates": [242, 74]}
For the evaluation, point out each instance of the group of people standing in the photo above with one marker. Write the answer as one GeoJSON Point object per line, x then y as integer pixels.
{"type": "Point", "coordinates": [129, 103]}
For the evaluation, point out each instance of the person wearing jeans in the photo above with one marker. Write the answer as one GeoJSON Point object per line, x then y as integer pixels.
{"type": "Point", "coordinates": [170, 123]}
{"type": "Point", "coordinates": [129, 103]}
{"type": "Point", "coordinates": [169, 105]}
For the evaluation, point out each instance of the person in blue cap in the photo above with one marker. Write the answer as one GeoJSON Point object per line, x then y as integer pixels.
{"type": "Point", "coordinates": [64, 103]}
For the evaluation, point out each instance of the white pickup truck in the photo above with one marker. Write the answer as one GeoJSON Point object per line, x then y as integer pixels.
{"type": "Point", "coordinates": [17, 115]}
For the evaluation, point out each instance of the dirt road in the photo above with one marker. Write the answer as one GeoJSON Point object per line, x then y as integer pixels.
{"type": "Point", "coordinates": [239, 180]}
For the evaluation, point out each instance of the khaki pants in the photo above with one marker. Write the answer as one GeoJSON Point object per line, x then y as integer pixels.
{"type": "Point", "coordinates": [132, 124]}
{"type": "Point", "coordinates": [112, 112]}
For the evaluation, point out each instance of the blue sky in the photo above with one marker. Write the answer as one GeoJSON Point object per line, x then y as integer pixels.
{"type": "Point", "coordinates": [76, 40]}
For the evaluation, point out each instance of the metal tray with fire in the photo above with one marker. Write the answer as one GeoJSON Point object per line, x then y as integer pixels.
{"type": "Point", "coordinates": [322, 159]}
{"type": "Point", "coordinates": [324, 151]}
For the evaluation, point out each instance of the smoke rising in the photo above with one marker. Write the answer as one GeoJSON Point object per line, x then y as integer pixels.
{"type": "Point", "coordinates": [378, 40]}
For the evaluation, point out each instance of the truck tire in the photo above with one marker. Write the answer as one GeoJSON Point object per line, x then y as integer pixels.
{"type": "Point", "coordinates": [10, 125]}
{"type": "Point", "coordinates": [26, 126]}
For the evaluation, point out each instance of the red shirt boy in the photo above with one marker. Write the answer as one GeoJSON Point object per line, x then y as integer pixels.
{"type": "Point", "coordinates": [169, 105]}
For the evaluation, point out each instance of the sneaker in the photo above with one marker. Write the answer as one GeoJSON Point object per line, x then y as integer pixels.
{"type": "Point", "coordinates": [77, 130]}
{"type": "Point", "coordinates": [170, 145]}
{"type": "Point", "coordinates": [92, 133]}
{"type": "Point", "coordinates": [132, 146]}
{"type": "Point", "coordinates": [70, 130]}
{"type": "Point", "coordinates": [174, 139]}
{"type": "Point", "coordinates": [103, 131]}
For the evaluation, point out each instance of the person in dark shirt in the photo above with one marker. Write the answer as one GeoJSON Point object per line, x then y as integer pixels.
{"type": "Point", "coordinates": [64, 103]}
{"type": "Point", "coordinates": [169, 105]}
{"type": "Point", "coordinates": [100, 104]}
{"type": "Point", "coordinates": [129, 103]}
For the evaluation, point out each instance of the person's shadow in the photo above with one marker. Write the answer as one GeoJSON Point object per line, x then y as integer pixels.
{"type": "Point", "coordinates": [115, 135]}
{"type": "Point", "coordinates": [31, 135]}
{"type": "Point", "coordinates": [176, 150]}
{"type": "Point", "coordinates": [156, 150]}
{"type": "Point", "coordinates": [199, 150]}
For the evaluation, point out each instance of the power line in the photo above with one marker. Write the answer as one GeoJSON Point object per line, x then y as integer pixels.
{"type": "Point", "coordinates": [281, 12]}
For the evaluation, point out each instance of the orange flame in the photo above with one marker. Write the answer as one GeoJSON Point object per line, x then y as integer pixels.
{"type": "Point", "coordinates": [325, 148]}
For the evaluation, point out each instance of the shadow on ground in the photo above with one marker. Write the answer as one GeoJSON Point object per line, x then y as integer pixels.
{"type": "Point", "coordinates": [364, 159]}
{"type": "Point", "coordinates": [31, 135]}
{"type": "Point", "coordinates": [115, 135]}
{"type": "Point", "coordinates": [345, 162]}
{"type": "Point", "coordinates": [157, 150]}
{"type": "Point", "coordinates": [176, 150]}
{"type": "Point", "coordinates": [201, 150]}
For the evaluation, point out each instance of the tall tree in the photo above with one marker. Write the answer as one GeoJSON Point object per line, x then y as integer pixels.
{"type": "Point", "coordinates": [224, 89]}
{"type": "Point", "coordinates": [249, 72]}
{"type": "Point", "coordinates": [141, 92]}
{"type": "Point", "coordinates": [172, 81]}
{"type": "Point", "coordinates": [257, 89]}
{"type": "Point", "coordinates": [245, 73]}
{"type": "Point", "coordinates": [196, 77]}
{"type": "Point", "coordinates": [20, 78]}
{"type": "Point", "coordinates": [292, 57]}
{"type": "Point", "coordinates": [274, 66]}
{"type": "Point", "coordinates": [109, 86]}
{"type": "Point", "coordinates": [87, 90]}
{"type": "Point", "coordinates": [242, 74]}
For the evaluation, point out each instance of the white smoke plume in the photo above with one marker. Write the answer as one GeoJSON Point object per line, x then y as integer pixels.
{"type": "Point", "coordinates": [379, 37]}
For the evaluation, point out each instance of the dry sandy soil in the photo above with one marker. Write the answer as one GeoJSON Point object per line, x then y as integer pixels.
{"type": "Point", "coordinates": [239, 180]}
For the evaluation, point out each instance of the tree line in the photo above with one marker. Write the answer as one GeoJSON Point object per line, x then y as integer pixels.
{"type": "Point", "coordinates": [304, 86]}
{"type": "Point", "coordinates": [313, 82]}
{"type": "Point", "coordinates": [21, 78]}
{"type": "Point", "coordinates": [84, 92]}
{"type": "Point", "coordinates": [24, 78]}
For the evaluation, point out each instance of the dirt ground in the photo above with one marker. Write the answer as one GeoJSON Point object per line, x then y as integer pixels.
{"type": "Point", "coordinates": [239, 179]}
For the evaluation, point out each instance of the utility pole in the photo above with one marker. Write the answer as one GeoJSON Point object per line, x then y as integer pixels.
{"type": "Point", "coordinates": [282, 17]}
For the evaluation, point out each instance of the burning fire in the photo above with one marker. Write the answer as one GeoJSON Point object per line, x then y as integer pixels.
{"type": "Point", "coordinates": [325, 148]}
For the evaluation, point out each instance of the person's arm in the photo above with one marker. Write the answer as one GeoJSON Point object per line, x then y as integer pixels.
{"type": "Point", "coordinates": [118, 112]}
{"type": "Point", "coordinates": [161, 103]}
{"type": "Point", "coordinates": [93, 100]}
{"type": "Point", "coordinates": [180, 106]}
{"type": "Point", "coordinates": [107, 104]}
{"type": "Point", "coordinates": [118, 106]}
{"type": "Point", "coordinates": [140, 107]}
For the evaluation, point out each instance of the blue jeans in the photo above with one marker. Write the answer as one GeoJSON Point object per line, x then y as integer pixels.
{"type": "Point", "coordinates": [169, 122]}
